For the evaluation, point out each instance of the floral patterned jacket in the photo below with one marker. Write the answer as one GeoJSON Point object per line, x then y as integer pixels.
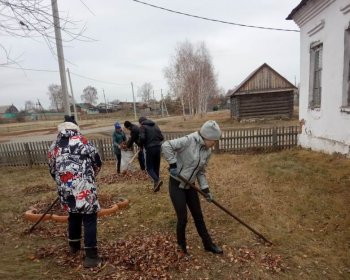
{"type": "Point", "coordinates": [74, 162]}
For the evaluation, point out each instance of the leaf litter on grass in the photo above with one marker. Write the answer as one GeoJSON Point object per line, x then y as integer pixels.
{"type": "Point", "coordinates": [149, 256]}
{"type": "Point", "coordinates": [154, 255]}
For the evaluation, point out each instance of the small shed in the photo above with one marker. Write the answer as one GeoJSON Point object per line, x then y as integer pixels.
{"type": "Point", "coordinates": [264, 93]}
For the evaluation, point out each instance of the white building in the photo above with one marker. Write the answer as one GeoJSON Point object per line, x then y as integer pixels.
{"type": "Point", "coordinates": [324, 105]}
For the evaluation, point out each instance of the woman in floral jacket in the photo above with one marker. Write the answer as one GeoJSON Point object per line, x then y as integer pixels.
{"type": "Point", "coordinates": [74, 163]}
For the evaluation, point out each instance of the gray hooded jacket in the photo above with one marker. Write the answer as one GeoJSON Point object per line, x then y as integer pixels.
{"type": "Point", "coordinates": [191, 157]}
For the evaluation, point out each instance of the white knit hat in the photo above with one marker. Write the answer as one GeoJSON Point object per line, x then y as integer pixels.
{"type": "Point", "coordinates": [210, 130]}
{"type": "Point", "coordinates": [67, 125]}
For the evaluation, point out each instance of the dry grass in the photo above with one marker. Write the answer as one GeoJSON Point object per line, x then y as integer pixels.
{"type": "Point", "coordinates": [174, 123]}
{"type": "Point", "coordinates": [298, 199]}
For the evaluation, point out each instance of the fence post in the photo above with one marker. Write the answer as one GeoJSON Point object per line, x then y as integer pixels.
{"type": "Point", "coordinates": [28, 154]}
{"type": "Point", "coordinates": [101, 150]}
{"type": "Point", "coordinates": [217, 147]}
{"type": "Point", "coordinates": [274, 137]}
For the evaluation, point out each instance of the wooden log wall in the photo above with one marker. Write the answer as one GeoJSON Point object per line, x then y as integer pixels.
{"type": "Point", "coordinates": [263, 105]}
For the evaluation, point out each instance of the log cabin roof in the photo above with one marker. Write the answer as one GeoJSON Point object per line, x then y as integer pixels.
{"type": "Point", "coordinates": [263, 79]}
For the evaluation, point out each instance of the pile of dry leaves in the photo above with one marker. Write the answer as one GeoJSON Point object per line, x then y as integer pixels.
{"type": "Point", "coordinates": [149, 256]}
{"type": "Point", "coordinates": [155, 256]}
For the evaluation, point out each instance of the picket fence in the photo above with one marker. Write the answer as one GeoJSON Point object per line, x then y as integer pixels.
{"type": "Point", "coordinates": [232, 140]}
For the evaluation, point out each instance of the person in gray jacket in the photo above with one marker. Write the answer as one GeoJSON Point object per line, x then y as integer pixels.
{"type": "Point", "coordinates": [188, 156]}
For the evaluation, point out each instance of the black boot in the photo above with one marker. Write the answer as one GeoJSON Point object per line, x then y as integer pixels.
{"type": "Point", "coordinates": [74, 246]}
{"type": "Point", "coordinates": [92, 259]}
{"type": "Point", "coordinates": [157, 185]}
{"type": "Point", "coordinates": [183, 249]}
{"type": "Point", "coordinates": [213, 248]}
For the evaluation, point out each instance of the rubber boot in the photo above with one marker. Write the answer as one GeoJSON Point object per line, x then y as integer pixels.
{"type": "Point", "coordinates": [92, 259]}
{"type": "Point", "coordinates": [211, 247]}
{"type": "Point", "coordinates": [74, 247]}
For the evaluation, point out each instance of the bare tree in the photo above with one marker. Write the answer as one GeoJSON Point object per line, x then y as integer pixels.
{"type": "Point", "coordinates": [56, 97]}
{"type": "Point", "coordinates": [29, 105]}
{"type": "Point", "coordinates": [145, 92]}
{"type": "Point", "coordinates": [89, 95]}
{"type": "Point", "coordinates": [31, 19]}
{"type": "Point", "coordinates": [191, 77]}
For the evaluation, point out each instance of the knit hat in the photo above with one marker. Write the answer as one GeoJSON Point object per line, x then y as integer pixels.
{"type": "Point", "coordinates": [210, 130]}
{"type": "Point", "coordinates": [69, 123]}
{"type": "Point", "coordinates": [117, 125]}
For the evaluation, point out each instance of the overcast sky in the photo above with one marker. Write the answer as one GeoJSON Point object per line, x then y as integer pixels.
{"type": "Point", "coordinates": [135, 42]}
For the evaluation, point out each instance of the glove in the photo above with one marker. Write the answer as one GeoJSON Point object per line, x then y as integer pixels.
{"type": "Point", "coordinates": [209, 197]}
{"type": "Point", "coordinates": [173, 169]}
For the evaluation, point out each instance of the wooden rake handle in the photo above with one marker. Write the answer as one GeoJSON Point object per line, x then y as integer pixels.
{"type": "Point", "coordinates": [224, 209]}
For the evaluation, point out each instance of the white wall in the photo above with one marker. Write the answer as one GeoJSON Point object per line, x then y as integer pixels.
{"type": "Point", "coordinates": [326, 129]}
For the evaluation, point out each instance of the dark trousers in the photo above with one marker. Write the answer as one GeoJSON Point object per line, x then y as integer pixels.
{"type": "Point", "coordinates": [180, 199]}
{"type": "Point", "coordinates": [141, 159]}
{"type": "Point", "coordinates": [153, 162]}
{"type": "Point", "coordinates": [119, 158]}
{"type": "Point", "coordinates": [75, 221]}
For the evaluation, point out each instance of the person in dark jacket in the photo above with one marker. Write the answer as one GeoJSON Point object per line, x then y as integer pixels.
{"type": "Point", "coordinates": [151, 139]}
{"type": "Point", "coordinates": [74, 163]}
{"type": "Point", "coordinates": [118, 138]}
{"type": "Point", "coordinates": [188, 156]}
{"type": "Point", "coordinates": [135, 138]}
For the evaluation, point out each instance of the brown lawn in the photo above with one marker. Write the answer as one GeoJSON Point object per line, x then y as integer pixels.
{"type": "Point", "coordinates": [298, 199]}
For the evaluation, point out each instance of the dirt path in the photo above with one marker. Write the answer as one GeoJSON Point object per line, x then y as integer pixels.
{"type": "Point", "coordinates": [45, 135]}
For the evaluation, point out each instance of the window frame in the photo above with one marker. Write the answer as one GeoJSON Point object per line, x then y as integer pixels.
{"type": "Point", "coordinates": [346, 69]}
{"type": "Point", "coordinates": [315, 90]}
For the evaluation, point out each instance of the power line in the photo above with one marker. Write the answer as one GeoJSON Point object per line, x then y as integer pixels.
{"type": "Point", "coordinates": [29, 69]}
{"type": "Point", "coordinates": [92, 79]}
{"type": "Point", "coordinates": [88, 8]}
{"type": "Point", "coordinates": [216, 20]}
{"type": "Point", "coordinates": [55, 71]}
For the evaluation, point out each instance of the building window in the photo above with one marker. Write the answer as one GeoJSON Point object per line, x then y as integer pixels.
{"type": "Point", "coordinates": [346, 74]}
{"type": "Point", "coordinates": [315, 76]}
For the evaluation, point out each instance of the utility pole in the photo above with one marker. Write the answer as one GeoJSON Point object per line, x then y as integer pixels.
{"type": "Point", "coordinates": [161, 102]}
{"type": "Point", "coordinates": [104, 96]}
{"type": "Point", "coordinates": [71, 90]}
{"type": "Point", "coordinates": [164, 108]}
{"type": "Point", "coordinates": [133, 98]}
{"type": "Point", "coordinates": [41, 108]}
{"type": "Point", "coordinates": [56, 20]}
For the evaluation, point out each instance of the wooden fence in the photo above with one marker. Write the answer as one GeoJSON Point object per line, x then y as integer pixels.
{"type": "Point", "coordinates": [232, 140]}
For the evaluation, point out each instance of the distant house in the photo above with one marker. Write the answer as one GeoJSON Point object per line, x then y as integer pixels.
{"type": "Point", "coordinates": [324, 100]}
{"type": "Point", "coordinates": [8, 112]}
{"type": "Point", "coordinates": [85, 108]}
{"type": "Point", "coordinates": [264, 93]}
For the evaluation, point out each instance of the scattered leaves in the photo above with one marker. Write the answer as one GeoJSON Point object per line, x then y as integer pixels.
{"type": "Point", "coordinates": [149, 256]}
{"type": "Point", "coordinates": [137, 176]}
